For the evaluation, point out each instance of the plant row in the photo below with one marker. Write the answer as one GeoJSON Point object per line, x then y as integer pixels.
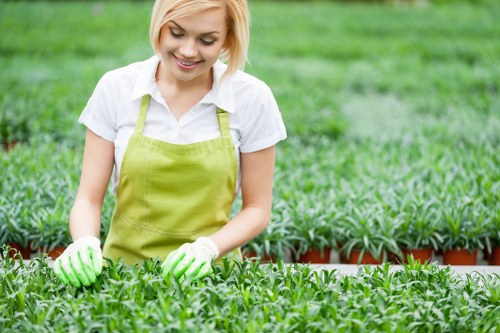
{"type": "Point", "coordinates": [248, 297]}
{"type": "Point", "coordinates": [367, 196]}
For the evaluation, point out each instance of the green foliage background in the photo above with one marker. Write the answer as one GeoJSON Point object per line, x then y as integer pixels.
{"type": "Point", "coordinates": [384, 105]}
{"type": "Point", "coordinates": [393, 117]}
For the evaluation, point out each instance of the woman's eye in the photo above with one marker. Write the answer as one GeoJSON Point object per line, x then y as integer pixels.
{"type": "Point", "coordinates": [207, 42]}
{"type": "Point", "coordinates": [175, 35]}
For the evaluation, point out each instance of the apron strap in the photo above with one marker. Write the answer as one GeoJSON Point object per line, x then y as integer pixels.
{"type": "Point", "coordinates": [141, 118]}
{"type": "Point", "coordinates": [223, 118]}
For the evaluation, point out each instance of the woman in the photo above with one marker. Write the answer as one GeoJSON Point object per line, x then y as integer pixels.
{"type": "Point", "coordinates": [183, 133]}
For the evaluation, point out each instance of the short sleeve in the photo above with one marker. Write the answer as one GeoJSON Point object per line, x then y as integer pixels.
{"type": "Point", "coordinates": [263, 125]}
{"type": "Point", "coordinates": [99, 115]}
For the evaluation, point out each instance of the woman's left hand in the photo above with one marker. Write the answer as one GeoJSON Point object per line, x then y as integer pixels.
{"type": "Point", "coordinates": [191, 260]}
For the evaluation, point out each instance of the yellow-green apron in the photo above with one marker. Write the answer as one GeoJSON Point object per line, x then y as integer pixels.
{"type": "Point", "coordinates": [170, 194]}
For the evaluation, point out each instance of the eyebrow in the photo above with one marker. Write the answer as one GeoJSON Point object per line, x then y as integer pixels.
{"type": "Point", "coordinates": [203, 34]}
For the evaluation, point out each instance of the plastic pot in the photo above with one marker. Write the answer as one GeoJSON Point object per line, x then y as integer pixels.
{"type": "Point", "coordinates": [422, 255]}
{"type": "Point", "coordinates": [17, 248]}
{"type": "Point", "coordinates": [367, 258]}
{"type": "Point", "coordinates": [494, 258]}
{"type": "Point", "coordinates": [459, 257]}
{"type": "Point", "coordinates": [316, 256]}
{"type": "Point", "coordinates": [56, 252]}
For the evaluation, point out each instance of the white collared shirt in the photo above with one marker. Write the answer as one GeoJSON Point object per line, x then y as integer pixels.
{"type": "Point", "coordinates": [111, 112]}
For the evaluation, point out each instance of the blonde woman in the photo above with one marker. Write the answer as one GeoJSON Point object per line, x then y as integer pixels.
{"type": "Point", "coordinates": [180, 134]}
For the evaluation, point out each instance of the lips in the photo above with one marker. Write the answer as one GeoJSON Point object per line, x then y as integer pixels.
{"type": "Point", "coordinates": [186, 64]}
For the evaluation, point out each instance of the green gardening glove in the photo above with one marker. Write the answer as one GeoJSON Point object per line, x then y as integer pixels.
{"type": "Point", "coordinates": [80, 263]}
{"type": "Point", "coordinates": [191, 260]}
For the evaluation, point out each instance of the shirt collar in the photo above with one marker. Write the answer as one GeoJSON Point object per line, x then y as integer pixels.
{"type": "Point", "coordinates": [144, 83]}
{"type": "Point", "coordinates": [221, 94]}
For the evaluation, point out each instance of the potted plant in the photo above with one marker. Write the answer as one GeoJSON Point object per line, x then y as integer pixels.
{"type": "Point", "coordinates": [13, 128]}
{"type": "Point", "coordinates": [12, 231]}
{"type": "Point", "coordinates": [313, 227]}
{"type": "Point", "coordinates": [494, 236]}
{"type": "Point", "coordinates": [50, 231]}
{"type": "Point", "coordinates": [419, 235]}
{"type": "Point", "coordinates": [273, 243]}
{"type": "Point", "coordinates": [464, 231]}
{"type": "Point", "coordinates": [370, 235]}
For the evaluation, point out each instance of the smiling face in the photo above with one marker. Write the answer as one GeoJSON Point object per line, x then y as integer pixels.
{"type": "Point", "coordinates": [190, 46]}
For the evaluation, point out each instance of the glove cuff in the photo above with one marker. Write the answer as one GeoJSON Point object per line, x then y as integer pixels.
{"type": "Point", "coordinates": [91, 240]}
{"type": "Point", "coordinates": [209, 245]}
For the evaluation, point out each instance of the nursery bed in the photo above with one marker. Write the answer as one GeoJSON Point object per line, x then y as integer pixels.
{"type": "Point", "coordinates": [250, 297]}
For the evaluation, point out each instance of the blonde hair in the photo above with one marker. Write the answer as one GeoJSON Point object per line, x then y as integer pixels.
{"type": "Point", "coordinates": [235, 48]}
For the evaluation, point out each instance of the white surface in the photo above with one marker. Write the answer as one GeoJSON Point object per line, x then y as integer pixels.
{"type": "Point", "coordinates": [345, 269]}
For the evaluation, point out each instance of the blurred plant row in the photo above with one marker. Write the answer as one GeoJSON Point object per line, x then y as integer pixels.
{"type": "Point", "coordinates": [379, 198]}
{"type": "Point", "coordinates": [392, 116]}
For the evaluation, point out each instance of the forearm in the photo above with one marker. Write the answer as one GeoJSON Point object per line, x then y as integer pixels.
{"type": "Point", "coordinates": [246, 225]}
{"type": "Point", "coordinates": [85, 219]}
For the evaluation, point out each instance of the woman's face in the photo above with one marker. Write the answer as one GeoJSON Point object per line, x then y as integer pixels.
{"type": "Point", "coordinates": [189, 46]}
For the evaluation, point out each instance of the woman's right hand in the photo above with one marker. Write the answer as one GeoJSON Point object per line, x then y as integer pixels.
{"type": "Point", "coordinates": [80, 263]}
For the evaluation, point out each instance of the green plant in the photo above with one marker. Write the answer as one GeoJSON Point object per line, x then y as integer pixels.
{"type": "Point", "coordinates": [464, 225]}
{"type": "Point", "coordinates": [494, 233]}
{"type": "Point", "coordinates": [50, 228]}
{"type": "Point", "coordinates": [277, 239]}
{"type": "Point", "coordinates": [37, 193]}
{"type": "Point", "coordinates": [313, 220]}
{"type": "Point", "coordinates": [421, 225]}
{"type": "Point", "coordinates": [246, 296]}
{"type": "Point", "coordinates": [12, 229]}
{"type": "Point", "coordinates": [367, 229]}
{"type": "Point", "coordinates": [14, 127]}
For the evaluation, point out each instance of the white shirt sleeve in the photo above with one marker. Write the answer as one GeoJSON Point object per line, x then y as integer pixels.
{"type": "Point", "coordinates": [99, 115]}
{"type": "Point", "coordinates": [262, 124]}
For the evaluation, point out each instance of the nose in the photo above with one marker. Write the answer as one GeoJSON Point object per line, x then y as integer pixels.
{"type": "Point", "coordinates": [188, 49]}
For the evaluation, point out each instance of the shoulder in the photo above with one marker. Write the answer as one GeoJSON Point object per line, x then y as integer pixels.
{"type": "Point", "coordinates": [252, 96]}
{"type": "Point", "coordinates": [248, 86]}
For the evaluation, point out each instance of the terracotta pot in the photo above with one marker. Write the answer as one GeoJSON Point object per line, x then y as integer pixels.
{"type": "Point", "coordinates": [367, 258]}
{"type": "Point", "coordinates": [459, 257]}
{"type": "Point", "coordinates": [56, 252]}
{"type": "Point", "coordinates": [16, 248]}
{"type": "Point", "coordinates": [494, 258]}
{"type": "Point", "coordinates": [249, 254]}
{"type": "Point", "coordinates": [422, 255]}
{"type": "Point", "coordinates": [316, 256]}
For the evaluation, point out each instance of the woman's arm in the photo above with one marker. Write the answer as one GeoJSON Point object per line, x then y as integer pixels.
{"type": "Point", "coordinates": [98, 160]}
{"type": "Point", "coordinates": [257, 171]}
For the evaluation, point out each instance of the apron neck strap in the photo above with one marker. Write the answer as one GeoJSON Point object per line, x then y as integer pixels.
{"type": "Point", "coordinates": [141, 119]}
{"type": "Point", "coordinates": [222, 117]}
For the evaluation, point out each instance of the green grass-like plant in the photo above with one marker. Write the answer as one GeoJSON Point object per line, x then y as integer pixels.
{"type": "Point", "coordinates": [248, 297]}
